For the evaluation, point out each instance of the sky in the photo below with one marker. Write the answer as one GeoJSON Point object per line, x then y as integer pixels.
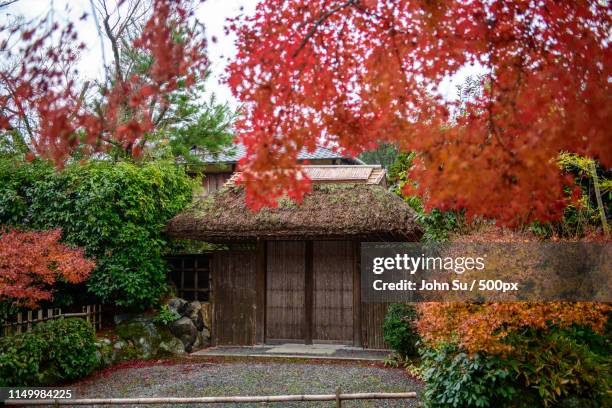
{"type": "Point", "coordinates": [213, 13]}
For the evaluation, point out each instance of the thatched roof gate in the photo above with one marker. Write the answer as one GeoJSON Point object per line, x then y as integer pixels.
{"type": "Point", "coordinates": [347, 202]}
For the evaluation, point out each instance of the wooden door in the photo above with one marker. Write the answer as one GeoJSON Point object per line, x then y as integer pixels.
{"type": "Point", "coordinates": [333, 268]}
{"type": "Point", "coordinates": [234, 297]}
{"type": "Point", "coordinates": [285, 290]}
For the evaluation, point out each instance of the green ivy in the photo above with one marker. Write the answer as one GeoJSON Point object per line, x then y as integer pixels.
{"type": "Point", "coordinates": [116, 211]}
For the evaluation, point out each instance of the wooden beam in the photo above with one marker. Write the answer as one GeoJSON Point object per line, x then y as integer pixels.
{"type": "Point", "coordinates": [357, 316]}
{"type": "Point", "coordinates": [260, 312]}
{"type": "Point", "coordinates": [309, 293]}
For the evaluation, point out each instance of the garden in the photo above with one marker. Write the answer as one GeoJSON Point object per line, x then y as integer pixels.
{"type": "Point", "coordinates": [93, 167]}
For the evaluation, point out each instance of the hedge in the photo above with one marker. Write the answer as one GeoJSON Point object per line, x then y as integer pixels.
{"type": "Point", "coordinates": [56, 351]}
{"type": "Point", "coordinates": [115, 211]}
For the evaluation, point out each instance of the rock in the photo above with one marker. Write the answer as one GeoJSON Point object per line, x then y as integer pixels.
{"type": "Point", "coordinates": [193, 311]}
{"type": "Point", "coordinates": [127, 351]}
{"type": "Point", "coordinates": [120, 345]}
{"type": "Point", "coordinates": [142, 333]}
{"type": "Point", "coordinates": [185, 330]}
{"type": "Point", "coordinates": [105, 352]}
{"type": "Point", "coordinates": [171, 347]}
{"type": "Point", "coordinates": [177, 305]}
{"type": "Point", "coordinates": [206, 334]}
{"type": "Point", "coordinates": [123, 317]}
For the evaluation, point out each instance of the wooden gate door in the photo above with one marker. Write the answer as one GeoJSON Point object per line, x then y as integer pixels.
{"type": "Point", "coordinates": [333, 266]}
{"type": "Point", "coordinates": [285, 285]}
{"type": "Point", "coordinates": [234, 297]}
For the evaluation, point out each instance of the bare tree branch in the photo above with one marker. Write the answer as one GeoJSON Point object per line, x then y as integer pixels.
{"type": "Point", "coordinates": [6, 3]}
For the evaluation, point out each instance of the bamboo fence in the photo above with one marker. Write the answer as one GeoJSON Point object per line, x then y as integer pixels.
{"type": "Point", "coordinates": [24, 321]}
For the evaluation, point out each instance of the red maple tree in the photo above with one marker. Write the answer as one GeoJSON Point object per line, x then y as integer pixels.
{"type": "Point", "coordinates": [45, 92]}
{"type": "Point", "coordinates": [356, 72]}
{"type": "Point", "coordinates": [31, 262]}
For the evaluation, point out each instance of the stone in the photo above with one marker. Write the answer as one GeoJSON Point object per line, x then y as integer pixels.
{"type": "Point", "coordinates": [142, 333]}
{"type": "Point", "coordinates": [105, 352]}
{"type": "Point", "coordinates": [171, 347]}
{"type": "Point", "coordinates": [120, 345]}
{"type": "Point", "coordinates": [206, 334]}
{"type": "Point", "coordinates": [123, 317]}
{"type": "Point", "coordinates": [194, 312]}
{"type": "Point", "coordinates": [185, 330]}
{"type": "Point", "coordinates": [177, 305]}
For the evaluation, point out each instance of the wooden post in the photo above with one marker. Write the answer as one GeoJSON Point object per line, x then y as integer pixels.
{"type": "Point", "coordinates": [182, 283]}
{"type": "Point", "coordinates": [357, 316]}
{"type": "Point", "coordinates": [309, 293]}
{"type": "Point", "coordinates": [196, 272]}
{"type": "Point", "coordinates": [29, 328]}
{"type": "Point", "coordinates": [600, 207]}
{"type": "Point", "coordinates": [338, 400]}
{"type": "Point", "coordinates": [18, 322]}
{"type": "Point", "coordinates": [260, 312]}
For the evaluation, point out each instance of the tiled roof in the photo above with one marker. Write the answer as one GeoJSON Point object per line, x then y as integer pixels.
{"type": "Point", "coordinates": [238, 151]}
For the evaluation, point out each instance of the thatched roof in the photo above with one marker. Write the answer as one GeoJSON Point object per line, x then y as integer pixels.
{"type": "Point", "coordinates": [331, 211]}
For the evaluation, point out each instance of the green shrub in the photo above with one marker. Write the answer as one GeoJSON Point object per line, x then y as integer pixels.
{"type": "Point", "coordinates": [55, 351]}
{"type": "Point", "coordinates": [70, 349]}
{"type": "Point", "coordinates": [561, 367]}
{"type": "Point", "coordinates": [115, 211]}
{"type": "Point", "coordinates": [546, 368]}
{"type": "Point", "coordinates": [456, 380]}
{"type": "Point", "coordinates": [166, 316]}
{"type": "Point", "coordinates": [20, 358]}
{"type": "Point", "coordinates": [399, 329]}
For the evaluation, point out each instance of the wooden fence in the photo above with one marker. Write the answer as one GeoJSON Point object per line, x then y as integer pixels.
{"type": "Point", "coordinates": [24, 321]}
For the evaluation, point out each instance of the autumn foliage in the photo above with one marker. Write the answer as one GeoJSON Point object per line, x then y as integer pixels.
{"type": "Point", "coordinates": [484, 327]}
{"type": "Point", "coordinates": [356, 72]}
{"type": "Point", "coordinates": [45, 93]}
{"type": "Point", "coordinates": [31, 262]}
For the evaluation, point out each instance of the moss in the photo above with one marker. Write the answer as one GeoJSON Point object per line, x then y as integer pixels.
{"type": "Point", "coordinates": [267, 217]}
{"type": "Point", "coordinates": [286, 203]}
{"type": "Point", "coordinates": [333, 188]}
{"type": "Point", "coordinates": [203, 206]}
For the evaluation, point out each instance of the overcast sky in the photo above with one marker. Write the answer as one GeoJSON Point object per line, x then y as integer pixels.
{"type": "Point", "coordinates": [213, 13]}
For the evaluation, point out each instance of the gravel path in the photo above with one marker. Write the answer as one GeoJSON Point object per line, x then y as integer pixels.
{"type": "Point", "coordinates": [251, 378]}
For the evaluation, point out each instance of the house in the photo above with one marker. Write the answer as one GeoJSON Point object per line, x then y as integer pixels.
{"type": "Point", "coordinates": [291, 274]}
{"type": "Point", "coordinates": [219, 168]}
